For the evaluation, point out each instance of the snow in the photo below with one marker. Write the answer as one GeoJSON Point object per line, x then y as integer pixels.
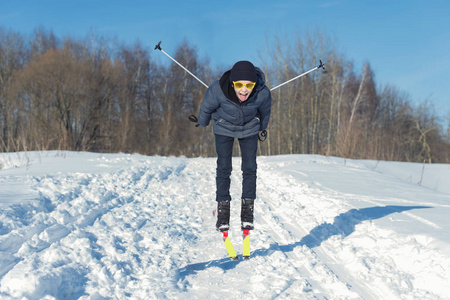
{"type": "Point", "coordinates": [126, 226]}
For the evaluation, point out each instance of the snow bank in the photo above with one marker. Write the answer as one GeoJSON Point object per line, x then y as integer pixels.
{"type": "Point", "coordinates": [96, 226]}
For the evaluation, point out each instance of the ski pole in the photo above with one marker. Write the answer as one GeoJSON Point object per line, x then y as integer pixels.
{"type": "Point", "coordinates": [158, 46]}
{"type": "Point", "coordinates": [313, 69]}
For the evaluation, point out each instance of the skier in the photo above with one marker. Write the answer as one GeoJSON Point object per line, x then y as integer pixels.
{"type": "Point", "coordinates": [239, 104]}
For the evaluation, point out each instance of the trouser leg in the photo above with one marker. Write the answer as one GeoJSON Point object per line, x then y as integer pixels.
{"type": "Point", "coordinates": [249, 147]}
{"type": "Point", "coordinates": [224, 149]}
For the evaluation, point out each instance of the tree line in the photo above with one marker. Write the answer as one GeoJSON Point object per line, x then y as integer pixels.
{"type": "Point", "coordinates": [102, 95]}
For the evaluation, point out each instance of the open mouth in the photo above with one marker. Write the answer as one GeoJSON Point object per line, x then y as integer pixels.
{"type": "Point", "coordinates": [243, 96]}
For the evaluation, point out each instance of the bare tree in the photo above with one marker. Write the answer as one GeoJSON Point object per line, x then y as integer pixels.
{"type": "Point", "coordinates": [100, 95]}
{"type": "Point", "coordinates": [12, 58]}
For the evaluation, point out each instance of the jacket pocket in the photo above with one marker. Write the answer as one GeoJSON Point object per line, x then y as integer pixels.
{"type": "Point", "coordinates": [253, 125]}
{"type": "Point", "coordinates": [255, 121]}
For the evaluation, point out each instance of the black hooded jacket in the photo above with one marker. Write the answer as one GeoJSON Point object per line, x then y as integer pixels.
{"type": "Point", "coordinates": [230, 116]}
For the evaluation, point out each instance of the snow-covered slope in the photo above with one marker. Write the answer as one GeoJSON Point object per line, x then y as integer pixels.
{"type": "Point", "coordinates": [117, 226]}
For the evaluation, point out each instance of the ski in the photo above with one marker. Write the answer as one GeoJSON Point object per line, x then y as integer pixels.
{"type": "Point", "coordinates": [246, 244]}
{"type": "Point", "coordinates": [229, 246]}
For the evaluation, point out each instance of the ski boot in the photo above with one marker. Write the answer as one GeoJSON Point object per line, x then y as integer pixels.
{"type": "Point", "coordinates": [247, 214]}
{"type": "Point", "coordinates": [223, 216]}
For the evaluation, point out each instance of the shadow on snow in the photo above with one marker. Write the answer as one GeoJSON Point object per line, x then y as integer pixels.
{"type": "Point", "coordinates": [343, 225]}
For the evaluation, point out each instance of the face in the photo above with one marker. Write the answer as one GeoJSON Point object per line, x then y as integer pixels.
{"type": "Point", "coordinates": [243, 93]}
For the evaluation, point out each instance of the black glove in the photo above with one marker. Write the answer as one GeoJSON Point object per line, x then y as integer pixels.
{"type": "Point", "coordinates": [262, 135]}
{"type": "Point", "coordinates": [194, 119]}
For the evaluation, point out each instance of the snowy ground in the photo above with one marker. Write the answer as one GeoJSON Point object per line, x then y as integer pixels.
{"type": "Point", "coordinates": [117, 226]}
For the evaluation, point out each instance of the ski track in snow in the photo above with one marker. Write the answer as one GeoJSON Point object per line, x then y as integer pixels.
{"type": "Point", "coordinates": [145, 230]}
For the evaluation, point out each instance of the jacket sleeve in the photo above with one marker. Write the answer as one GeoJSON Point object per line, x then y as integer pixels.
{"type": "Point", "coordinates": [264, 111]}
{"type": "Point", "coordinates": [209, 105]}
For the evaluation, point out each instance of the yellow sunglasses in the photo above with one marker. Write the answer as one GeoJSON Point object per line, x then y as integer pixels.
{"type": "Point", "coordinates": [240, 85]}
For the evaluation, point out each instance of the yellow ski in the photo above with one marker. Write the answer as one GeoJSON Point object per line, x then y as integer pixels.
{"type": "Point", "coordinates": [229, 246]}
{"type": "Point", "coordinates": [246, 245]}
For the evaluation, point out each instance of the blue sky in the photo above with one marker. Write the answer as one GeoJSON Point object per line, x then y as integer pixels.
{"type": "Point", "coordinates": [406, 42]}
